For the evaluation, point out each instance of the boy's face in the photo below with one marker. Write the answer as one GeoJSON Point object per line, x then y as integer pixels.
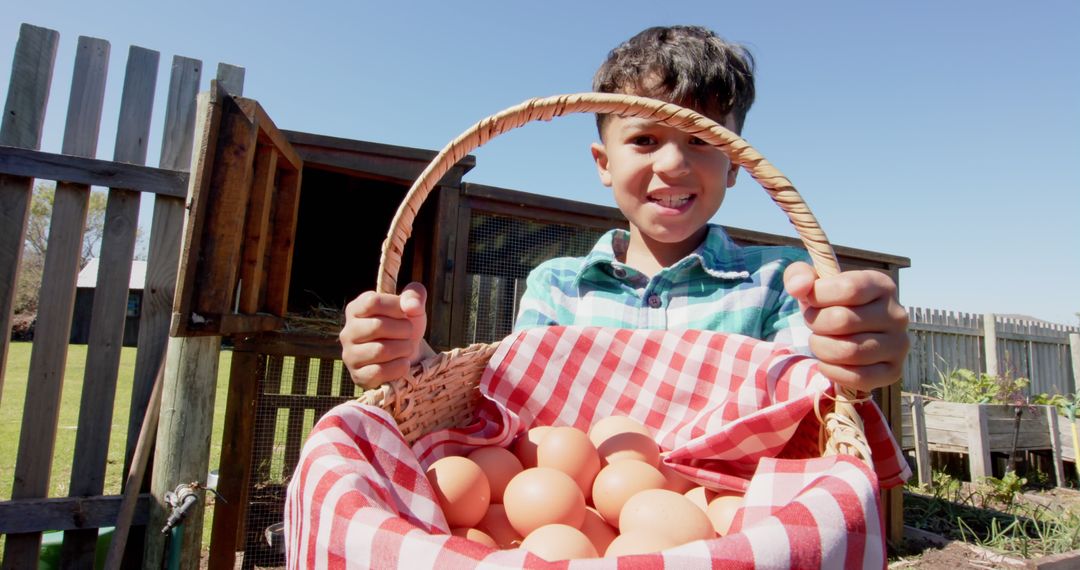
{"type": "Point", "coordinates": [667, 183]}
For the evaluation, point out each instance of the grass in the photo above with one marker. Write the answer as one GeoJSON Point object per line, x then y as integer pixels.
{"type": "Point", "coordinates": [11, 412]}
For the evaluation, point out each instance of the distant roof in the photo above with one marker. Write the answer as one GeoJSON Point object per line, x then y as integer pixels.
{"type": "Point", "coordinates": [88, 275]}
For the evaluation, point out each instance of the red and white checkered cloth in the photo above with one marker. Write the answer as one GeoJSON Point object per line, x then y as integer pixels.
{"type": "Point", "coordinates": [727, 410]}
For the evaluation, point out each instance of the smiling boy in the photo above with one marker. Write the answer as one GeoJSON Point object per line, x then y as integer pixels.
{"type": "Point", "coordinates": [672, 269]}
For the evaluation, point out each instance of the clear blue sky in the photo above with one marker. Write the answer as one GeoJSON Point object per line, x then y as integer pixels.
{"type": "Point", "coordinates": [946, 132]}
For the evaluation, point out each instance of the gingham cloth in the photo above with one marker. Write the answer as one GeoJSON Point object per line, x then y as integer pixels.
{"type": "Point", "coordinates": [727, 411]}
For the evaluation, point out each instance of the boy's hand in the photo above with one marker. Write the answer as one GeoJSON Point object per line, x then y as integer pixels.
{"type": "Point", "coordinates": [859, 328]}
{"type": "Point", "coordinates": [384, 335]}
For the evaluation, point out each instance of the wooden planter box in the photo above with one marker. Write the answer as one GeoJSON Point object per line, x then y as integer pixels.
{"type": "Point", "coordinates": [978, 430]}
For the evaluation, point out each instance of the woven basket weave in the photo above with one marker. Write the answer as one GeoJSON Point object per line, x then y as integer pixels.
{"type": "Point", "coordinates": [441, 392]}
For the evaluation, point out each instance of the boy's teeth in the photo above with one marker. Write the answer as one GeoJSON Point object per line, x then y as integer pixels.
{"type": "Point", "coordinates": [672, 201]}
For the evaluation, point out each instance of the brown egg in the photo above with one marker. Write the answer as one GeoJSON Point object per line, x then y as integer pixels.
{"type": "Point", "coordinates": [638, 542]}
{"type": "Point", "coordinates": [461, 488]}
{"type": "Point", "coordinates": [599, 532]}
{"type": "Point", "coordinates": [525, 445]}
{"type": "Point", "coordinates": [619, 481]}
{"type": "Point", "coordinates": [542, 496]}
{"type": "Point", "coordinates": [629, 445]}
{"type": "Point", "coordinates": [569, 450]}
{"type": "Point", "coordinates": [700, 496]}
{"type": "Point", "coordinates": [559, 542]}
{"type": "Point", "coordinates": [612, 425]}
{"type": "Point", "coordinates": [500, 465]}
{"type": "Point", "coordinates": [665, 512]}
{"type": "Point", "coordinates": [474, 535]}
{"type": "Point", "coordinates": [498, 527]}
{"type": "Point", "coordinates": [722, 511]}
{"type": "Point", "coordinates": [675, 481]}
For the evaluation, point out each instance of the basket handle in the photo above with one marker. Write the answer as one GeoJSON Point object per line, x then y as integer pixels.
{"type": "Point", "coordinates": [843, 426]}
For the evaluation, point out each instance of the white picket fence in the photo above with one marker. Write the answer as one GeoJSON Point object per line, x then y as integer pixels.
{"type": "Point", "coordinates": [1047, 354]}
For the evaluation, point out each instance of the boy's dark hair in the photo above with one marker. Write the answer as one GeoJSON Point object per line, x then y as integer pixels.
{"type": "Point", "coordinates": [686, 65]}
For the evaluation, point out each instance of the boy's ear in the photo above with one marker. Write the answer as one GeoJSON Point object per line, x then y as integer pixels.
{"type": "Point", "coordinates": [733, 172]}
{"type": "Point", "coordinates": [599, 154]}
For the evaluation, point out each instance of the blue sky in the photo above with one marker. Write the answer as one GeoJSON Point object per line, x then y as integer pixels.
{"type": "Point", "coordinates": [945, 132]}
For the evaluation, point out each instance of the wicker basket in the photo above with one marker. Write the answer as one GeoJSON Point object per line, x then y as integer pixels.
{"type": "Point", "coordinates": [441, 392]}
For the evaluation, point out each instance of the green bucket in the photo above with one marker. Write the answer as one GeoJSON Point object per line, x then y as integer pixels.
{"type": "Point", "coordinates": [53, 542]}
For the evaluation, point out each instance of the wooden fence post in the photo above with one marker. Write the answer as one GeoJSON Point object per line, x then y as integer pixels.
{"type": "Point", "coordinates": [990, 342]}
{"type": "Point", "coordinates": [922, 450]}
{"type": "Point", "coordinates": [1074, 351]}
{"type": "Point", "coordinates": [979, 448]}
{"type": "Point", "coordinates": [183, 441]}
{"type": "Point", "coordinates": [1055, 444]}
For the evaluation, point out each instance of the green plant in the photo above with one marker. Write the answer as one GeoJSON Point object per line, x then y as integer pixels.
{"type": "Point", "coordinates": [969, 387]}
{"type": "Point", "coordinates": [1002, 491]}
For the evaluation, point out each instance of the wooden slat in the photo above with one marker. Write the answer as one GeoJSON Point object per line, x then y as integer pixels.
{"type": "Point", "coordinates": [65, 513]}
{"type": "Point", "coordinates": [237, 324]}
{"type": "Point", "coordinates": [109, 310]}
{"type": "Point", "coordinates": [91, 171]}
{"type": "Point", "coordinates": [325, 384]}
{"type": "Point", "coordinates": [21, 126]}
{"type": "Point", "coordinates": [163, 256]}
{"type": "Point", "coordinates": [295, 426]}
{"type": "Point", "coordinates": [234, 475]}
{"type": "Point", "coordinates": [257, 230]}
{"type": "Point", "coordinates": [979, 454]}
{"type": "Point", "coordinates": [268, 130]}
{"type": "Point", "coordinates": [282, 242]}
{"type": "Point", "coordinates": [49, 355]}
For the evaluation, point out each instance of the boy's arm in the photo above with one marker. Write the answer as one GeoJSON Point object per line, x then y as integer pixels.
{"type": "Point", "coordinates": [383, 335]}
{"type": "Point", "coordinates": [859, 328]}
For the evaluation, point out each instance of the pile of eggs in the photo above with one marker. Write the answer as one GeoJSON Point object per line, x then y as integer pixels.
{"type": "Point", "coordinates": [563, 494]}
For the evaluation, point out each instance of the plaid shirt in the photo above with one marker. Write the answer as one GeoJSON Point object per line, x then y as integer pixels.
{"type": "Point", "coordinates": [721, 287]}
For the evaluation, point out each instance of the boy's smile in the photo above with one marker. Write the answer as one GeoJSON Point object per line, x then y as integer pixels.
{"type": "Point", "coordinates": [667, 183]}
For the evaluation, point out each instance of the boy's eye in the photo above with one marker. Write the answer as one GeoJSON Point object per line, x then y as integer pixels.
{"type": "Point", "coordinates": [643, 140]}
{"type": "Point", "coordinates": [695, 140]}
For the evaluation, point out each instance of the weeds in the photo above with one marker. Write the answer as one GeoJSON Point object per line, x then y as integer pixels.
{"type": "Point", "coordinates": [992, 515]}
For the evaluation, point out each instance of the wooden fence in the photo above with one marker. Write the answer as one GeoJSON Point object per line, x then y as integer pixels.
{"type": "Point", "coordinates": [1047, 354]}
{"type": "Point", "coordinates": [75, 170]}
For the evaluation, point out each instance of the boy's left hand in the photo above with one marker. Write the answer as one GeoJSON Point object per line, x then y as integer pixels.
{"type": "Point", "coordinates": [859, 328]}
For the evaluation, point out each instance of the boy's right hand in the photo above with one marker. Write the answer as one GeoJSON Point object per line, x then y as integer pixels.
{"type": "Point", "coordinates": [383, 335]}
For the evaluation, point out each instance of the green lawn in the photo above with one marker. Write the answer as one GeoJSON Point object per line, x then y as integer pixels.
{"type": "Point", "coordinates": [11, 412]}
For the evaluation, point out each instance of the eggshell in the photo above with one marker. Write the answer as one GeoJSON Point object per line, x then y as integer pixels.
{"type": "Point", "coordinates": [612, 425]}
{"type": "Point", "coordinates": [700, 496]}
{"type": "Point", "coordinates": [559, 542]}
{"type": "Point", "coordinates": [542, 496]}
{"type": "Point", "coordinates": [500, 465]}
{"type": "Point", "coordinates": [722, 510]}
{"type": "Point", "coordinates": [599, 532]}
{"type": "Point", "coordinates": [619, 481]}
{"type": "Point", "coordinates": [498, 527]}
{"type": "Point", "coordinates": [461, 488]}
{"type": "Point", "coordinates": [638, 542]}
{"type": "Point", "coordinates": [569, 450]}
{"type": "Point", "coordinates": [474, 535]}
{"type": "Point", "coordinates": [665, 512]}
{"type": "Point", "coordinates": [525, 445]}
{"type": "Point", "coordinates": [629, 445]}
{"type": "Point", "coordinates": [675, 481]}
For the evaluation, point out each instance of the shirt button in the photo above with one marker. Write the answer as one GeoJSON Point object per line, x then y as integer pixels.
{"type": "Point", "coordinates": [655, 301]}
{"type": "Point", "coordinates": [619, 272]}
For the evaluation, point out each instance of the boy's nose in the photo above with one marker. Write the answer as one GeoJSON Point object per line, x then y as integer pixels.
{"type": "Point", "coordinates": [670, 159]}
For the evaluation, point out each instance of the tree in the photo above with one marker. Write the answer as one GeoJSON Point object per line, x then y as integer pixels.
{"type": "Point", "coordinates": [35, 243]}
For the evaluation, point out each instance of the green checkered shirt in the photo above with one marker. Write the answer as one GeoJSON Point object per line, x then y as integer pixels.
{"type": "Point", "coordinates": [721, 287]}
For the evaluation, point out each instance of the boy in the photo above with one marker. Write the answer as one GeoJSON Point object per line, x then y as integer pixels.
{"type": "Point", "coordinates": [672, 269]}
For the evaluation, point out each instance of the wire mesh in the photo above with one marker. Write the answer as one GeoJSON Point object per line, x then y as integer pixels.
{"type": "Point", "coordinates": [502, 251]}
{"type": "Point", "coordinates": [294, 392]}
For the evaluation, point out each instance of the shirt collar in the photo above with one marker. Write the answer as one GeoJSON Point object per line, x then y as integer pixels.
{"type": "Point", "coordinates": [718, 256]}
